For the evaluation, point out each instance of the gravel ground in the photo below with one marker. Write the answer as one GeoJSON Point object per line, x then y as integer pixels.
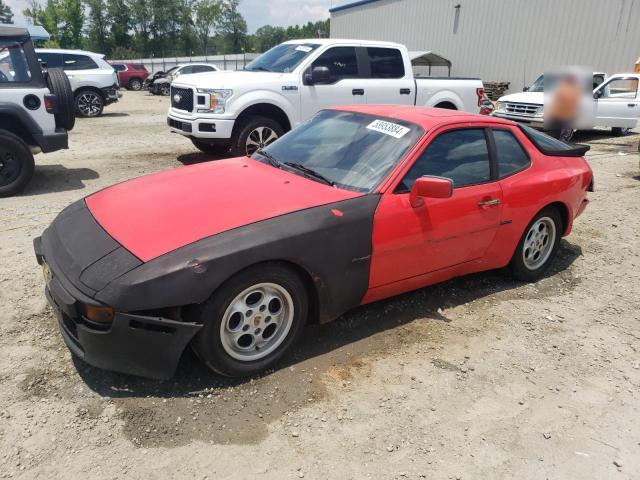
{"type": "Point", "coordinates": [480, 377]}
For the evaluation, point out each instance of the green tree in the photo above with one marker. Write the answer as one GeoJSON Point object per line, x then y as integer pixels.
{"type": "Point", "coordinates": [6, 14]}
{"type": "Point", "coordinates": [207, 18]}
{"type": "Point", "coordinates": [98, 26]}
{"type": "Point", "coordinates": [269, 36]}
{"type": "Point", "coordinates": [120, 23]}
{"type": "Point", "coordinates": [233, 26]}
{"type": "Point", "coordinates": [141, 20]}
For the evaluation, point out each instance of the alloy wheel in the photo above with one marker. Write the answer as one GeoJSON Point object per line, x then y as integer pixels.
{"type": "Point", "coordinates": [89, 104]}
{"type": "Point", "coordinates": [538, 243]}
{"type": "Point", "coordinates": [259, 138]}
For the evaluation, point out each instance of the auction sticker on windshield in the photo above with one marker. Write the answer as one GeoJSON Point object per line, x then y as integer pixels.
{"type": "Point", "coordinates": [388, 128]}
{"type": "Point", "coordinates": [303, 48]}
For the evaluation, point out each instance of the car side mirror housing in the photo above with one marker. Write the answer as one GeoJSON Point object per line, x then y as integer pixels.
{"type": "Point", "coordinates": [430, 187]}
{"type": "Point", "coordinates": [597, 94]}
{"type": "Point", "coordinates": [317, 75]}
{"type": "Point", "coordinates": [525, 89]}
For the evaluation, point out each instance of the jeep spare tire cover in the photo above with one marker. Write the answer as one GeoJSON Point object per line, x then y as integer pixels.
{"type": "Point", "coordinates": [59, 85]}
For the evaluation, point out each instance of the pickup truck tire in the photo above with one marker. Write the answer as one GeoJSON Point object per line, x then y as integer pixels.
{"type": "Point", "coordinates": [89, 103]}
{"type": "Point", "coordinates": [59, 85]}
{"type": "Point", "coordinates": [620, 132]}
{"type": "Point", "coordinates": [254, 133]}
{"type": "Point", "coordinates": [16, 164]}
{"type": "Point", "coordinates": [212, 149]}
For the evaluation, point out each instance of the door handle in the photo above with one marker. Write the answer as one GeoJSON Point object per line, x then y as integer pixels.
{"type": "Point", "coordinates": [489, 203]}
{"type": "Point", "coordinates": [405, 91]}
{"type": "Point", "coordinates": [631, 105]}
{"type": "Point", "coordinates": [358, 91]}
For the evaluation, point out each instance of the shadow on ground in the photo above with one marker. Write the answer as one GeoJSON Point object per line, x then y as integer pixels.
{"type": "Point", "coordinates": [198, 157]}
{"type": "Point", "coordinates": [359, 324]}
{"type": "Point", "coordinates": [58, 178]}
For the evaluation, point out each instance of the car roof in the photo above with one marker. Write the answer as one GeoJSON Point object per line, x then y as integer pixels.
{"type": "Point", "coordinates": [70, 51]}
{"type": "Point", "coordinates": [426, 117]}
{"type": "Point", "coordinates": [331, 41]}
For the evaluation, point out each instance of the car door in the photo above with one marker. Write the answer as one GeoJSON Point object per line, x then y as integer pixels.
{"type": "Point", "coordinates": [617, 103]}
{"type": "Point", "coordinates": [386, 79]}
{"type": "Point", "coordinates": [79, 69]}
{"type": "Point", "coordinates": [344, 86]}
{"type": "Point", "coordinates": [408, 241]}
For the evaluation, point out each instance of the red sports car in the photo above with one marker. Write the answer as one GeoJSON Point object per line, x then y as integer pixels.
{"type": "Point", "coordinates": [358, 204]}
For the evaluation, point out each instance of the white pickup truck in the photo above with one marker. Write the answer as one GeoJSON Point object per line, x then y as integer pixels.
{"type": "Point", "coordinates": [248, 109]}
{"type": "Point", "coordinates": [616, 103]}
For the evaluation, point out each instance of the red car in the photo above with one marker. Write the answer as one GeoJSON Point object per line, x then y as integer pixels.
{"type": "Point", "coordinates": [130, 75]}
{"type": "Point", "coordinates": [360, 203]}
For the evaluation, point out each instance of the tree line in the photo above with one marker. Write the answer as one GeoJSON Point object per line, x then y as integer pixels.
{"type": "Point", "coordinates": [161, 28]}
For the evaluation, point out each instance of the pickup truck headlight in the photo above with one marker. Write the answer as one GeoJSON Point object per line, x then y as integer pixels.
{"type": "Point", "coordinates": [217, 98]}
{"type": "Point", "coordinates": [502, 107]}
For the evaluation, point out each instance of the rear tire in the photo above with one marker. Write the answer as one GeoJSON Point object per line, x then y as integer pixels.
{"type": "Point", "coordinates": [254, 133]}
{"type": "Point", "coordinates": [59, 85]}
{"type": "Point", "coordinates": [211, 149]}
{"type": "Point", "coordinates": [89, 103]}
{"type": "Point", "coordinates": [620, 132]}
{"type": "Point", "coordinates": [135, 84]}
{"type": "Point", "coordinates": [16, 164]}
{"type": "Point", "coordinates": [244, 336]}
{"type": "Point", "coordinates": [538, 246]}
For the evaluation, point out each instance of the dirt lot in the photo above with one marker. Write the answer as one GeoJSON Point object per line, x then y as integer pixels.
{"type": "Point", "coordinates": [478, 378]}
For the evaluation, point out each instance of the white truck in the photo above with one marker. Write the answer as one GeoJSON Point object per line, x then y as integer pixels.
{"type": "Point", "coordinates": [616, 103]}
{"type": "Point", "coordinates": [245, 110]}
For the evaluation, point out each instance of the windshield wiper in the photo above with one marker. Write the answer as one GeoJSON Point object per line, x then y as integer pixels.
{"type": "Point", "coordinates": [273, 161]}
{"type": "Point", "coordinates": [257, 69]}
{"type": "Point", "coordinates": [311, 172]}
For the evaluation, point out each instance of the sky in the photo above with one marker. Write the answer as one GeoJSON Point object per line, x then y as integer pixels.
{"type": "Point", "coordinates": [256, 12]}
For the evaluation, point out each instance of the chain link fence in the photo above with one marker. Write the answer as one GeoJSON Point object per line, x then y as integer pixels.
{"type": "Point", "coordinates": [224, 62]}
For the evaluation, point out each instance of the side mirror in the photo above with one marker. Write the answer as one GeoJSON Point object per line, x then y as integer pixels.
{"type": "Point", "coordinates": [525, 89]}
{"type": "Point", "coordinates": [598, 93]}
{"type": "Point", "coordinates": [317, 75]}
{"type": "Point", "coordinates": [430, 187]}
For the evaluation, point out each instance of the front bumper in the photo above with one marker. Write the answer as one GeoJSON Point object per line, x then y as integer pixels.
{"type": "Point", "coordinates": [134, 344]}
{"type": "Point", "coordinates": [201, 127]}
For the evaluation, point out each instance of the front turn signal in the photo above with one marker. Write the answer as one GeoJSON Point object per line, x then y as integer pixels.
{"type": "Point", "coordinates": [99, 314]}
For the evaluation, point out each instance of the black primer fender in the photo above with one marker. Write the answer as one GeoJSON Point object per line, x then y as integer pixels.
{"type": "Point", "coordinates": [331, 242]}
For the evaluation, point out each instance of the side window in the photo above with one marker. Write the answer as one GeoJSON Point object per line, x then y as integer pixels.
{"type": "Point", "coordinates": [461, 155]}
{"type": "Point", "coordinates": [202, 68]}
{"type": "Point", "coordinates": [13, 63]}
{"type": "Point", "coordinates": [511, 156]}
{"type": "Point", "coordinates": [385, 62]}
{"type": "Point", "coordinates": [624, 88]}
{"type": "Point", "coordinates": [77, 62]}
{"type": "Point", "coordinates": [139, 66]}
{"type": "Point", "coordinates": [53, 60]}
{"type": "Point", "coordinates": [185, 70]}
{"type": "Point", "coordinates": [118, 67]}
{"type": "Point", "coordinates": [341, 62]}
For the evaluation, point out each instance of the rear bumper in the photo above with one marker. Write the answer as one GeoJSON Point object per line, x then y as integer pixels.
{"type": "Point", "coordinates": [111, 94]}
{"type": "Point", "coordinates": [52, 141]}
{"type": "Point", "coordinates": [133, 344]}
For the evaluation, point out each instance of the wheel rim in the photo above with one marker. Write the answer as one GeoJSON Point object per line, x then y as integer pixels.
{"type": "Point", "coordinates": [256, 322]}
{"type": "Point", "coordinates": [538, 243]}
{"type": "Point", "coordinates": [260, 137]}
{"type": "Point", "coordinates": [164, 90]}
{"type": "Point", "coordinates": [135, 84]}
{"type": "Point", "coordinates": [89, 104]}
{"type": "Point", "coordinates": [10, 167]}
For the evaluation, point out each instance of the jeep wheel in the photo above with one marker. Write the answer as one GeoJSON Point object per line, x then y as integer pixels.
{"type": "Point", "coordinates": [135, 84]}
{"type": "Point", "coordinates": [254, 133]}
{"type": "Point", "coordinates": [16, 164]}
{"type": "Point", "coordinates": [212, 149]}
{"type": "Point", "coordinates": [59, 85]}
{"type": "Point", "coordinates": [89, 103]}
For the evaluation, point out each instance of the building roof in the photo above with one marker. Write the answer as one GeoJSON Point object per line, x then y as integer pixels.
{"type": "Point", "coordinates": [351, 5]}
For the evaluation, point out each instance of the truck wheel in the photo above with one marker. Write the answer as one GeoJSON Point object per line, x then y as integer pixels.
{"type": "Point", "coordinates": [254, 133]}
{"type": "Point", "coordinates": [59, 85]}
{"type": "Point", "coordinates": [16, 164]}
{"type": "Point", "coordinates": [620, 132]}
{"type": "Point", "coordinates": [89, 103]}
{"type": "Point", "coordinates": [212, 149]}
{"type": "Point", "coordinates": [135, 84]}
{"type": "Point", "coordinates": [252, 320]}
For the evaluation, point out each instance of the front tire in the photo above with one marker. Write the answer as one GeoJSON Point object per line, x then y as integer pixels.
{"type": "Point", "coordinates": [165, 89]}
{"type": "Point", "coordinates": [16, 164]}
{"type": "Point", "coordinates": [538, 246]}
{"type": "Point", "coordinates": [89, 103]}
{"type": "Point", "coordinates": [254, 133]}
{"type": "Point", "coordinates": [252, 320]}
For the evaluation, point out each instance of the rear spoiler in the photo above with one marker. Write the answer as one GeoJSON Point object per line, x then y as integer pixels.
{"type": "Point", "coordinates": [576, 150]}
{"type": "Point", "coordinates": [552, 147]}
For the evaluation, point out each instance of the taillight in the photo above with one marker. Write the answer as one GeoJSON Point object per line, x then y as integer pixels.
{"type": "Point", "coordinates": [480, 95]}
{"type": "Point", "coordinates": [50, 103]}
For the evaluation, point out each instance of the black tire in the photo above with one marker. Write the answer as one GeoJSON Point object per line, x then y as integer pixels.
{"type": "Point", "coordinates": [531, 273]}
{"type": "Point", "coordinates": [211, 149]}
{"type": "Point", "coordinates": [165, 89]}
{"type": "Point", "coordinates": [89, 103]}
{"type": "Point", "coordinates": [208, 344]}
{"type": "Point", "coordinates": [59, 85]}
{"type": "Point", "coordinates": [135, 84]}
{"type": "Point", "coordinates": [620, 132]}
{"type": "Point", "coordinates": [16, 164]}
{"type": "Point", "coordinates": [248, 125]}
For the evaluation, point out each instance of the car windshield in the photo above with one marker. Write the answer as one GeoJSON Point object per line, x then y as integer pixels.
{"type": "Point", "coordinates": [350, 150]}
{"type": "Point", "coordinates": [538, 85]}
{"type": "Point", "coordinates": [282, 58]}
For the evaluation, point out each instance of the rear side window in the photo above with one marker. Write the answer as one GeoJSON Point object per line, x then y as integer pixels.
{"type": "Point", "coordinates": [202, 68]}
{"type": "Point", "coordinates": [341, 62]}
{"type": "Point", "coordinates": [53, 60]}
{"type": "Point", "coordinates": [510, 155]}
{"type": "Point", "coordinates": [13, 63]}
{"type": "Point", "coordinates": [118, 67]}
{"type": "Point", "coordinates": [385, 62]}
{"type": "Point", "coordinates": [139, 66]}
{"type": "Point", "coordinates": [461, 155]}
{"type": "Point", "coordinates": [78, 62]}
{"type": "Point", "coordinates": [544, 142]}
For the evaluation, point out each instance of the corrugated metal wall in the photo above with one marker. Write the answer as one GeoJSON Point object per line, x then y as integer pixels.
{"type": "Point", "coordinates": [504, 40]}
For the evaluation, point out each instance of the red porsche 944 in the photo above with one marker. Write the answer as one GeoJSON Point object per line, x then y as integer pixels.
{"type": "Point", "coordinates": [235, 257]}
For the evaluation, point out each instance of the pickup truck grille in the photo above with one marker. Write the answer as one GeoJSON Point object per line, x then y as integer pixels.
{"type": "Point", "coordinates": [182, 98]}
{"type": "Point", "coordinates": [529, 109]}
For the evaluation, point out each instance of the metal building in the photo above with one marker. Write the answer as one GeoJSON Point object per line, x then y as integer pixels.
{"type": "Point", "coordinates": [503, 40]}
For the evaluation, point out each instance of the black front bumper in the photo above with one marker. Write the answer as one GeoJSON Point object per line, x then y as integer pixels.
{"type": "Point", "coordinates": [134, 344]}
